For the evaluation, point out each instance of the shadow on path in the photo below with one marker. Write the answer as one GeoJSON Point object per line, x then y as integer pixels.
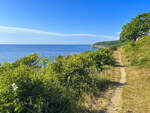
{"type": "Point", "coordinates": [119, 65]}
{"type": "Point", "coordinates": [114, 85]}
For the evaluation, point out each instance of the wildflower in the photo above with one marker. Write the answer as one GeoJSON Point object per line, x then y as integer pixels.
{"type": "Point", "coordinates": [15, 87]}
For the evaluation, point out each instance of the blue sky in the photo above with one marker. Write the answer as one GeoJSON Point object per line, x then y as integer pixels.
{"type": "Point", "coordinates": [65, 21]}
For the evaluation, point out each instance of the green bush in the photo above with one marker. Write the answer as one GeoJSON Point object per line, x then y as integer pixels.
{"type": "Point", "coordinates": [39, 85]}
{"type": "Point", "coordinates": [24, 90]}
{"type": "Point", "coordinates": [29, 61]}
{"type": "Point", "coordinates": [113, 48]}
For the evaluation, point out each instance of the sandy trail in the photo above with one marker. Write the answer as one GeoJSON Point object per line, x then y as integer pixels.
{"type": "Point", "coordinates": [115, 102]}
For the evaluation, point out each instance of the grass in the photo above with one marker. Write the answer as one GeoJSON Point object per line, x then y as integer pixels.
{"type": "Point", "coordinates": [97, 102]}
{"type": "Point", "coordinates": [136, 92]}
{"type": "Point", "coordinates": [138, 53]}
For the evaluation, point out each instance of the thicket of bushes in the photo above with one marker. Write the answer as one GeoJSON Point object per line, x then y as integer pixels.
{"type": "Point", "coordinates": [138, 52]}
{"type": "Point", "coordinates": [40, 85]}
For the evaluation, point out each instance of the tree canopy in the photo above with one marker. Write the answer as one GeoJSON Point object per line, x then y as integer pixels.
{"type": "Point", "coordinates": [138, 27]}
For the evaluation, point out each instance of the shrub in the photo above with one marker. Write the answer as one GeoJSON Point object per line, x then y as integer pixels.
{"type": "Point", "coordinates": [113, 48]}
{"type": "Point", "coordinates": [23, 91]}
{"type": "Point", "coordinates": [33, 84]}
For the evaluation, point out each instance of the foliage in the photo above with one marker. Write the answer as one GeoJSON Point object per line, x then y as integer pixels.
{"type": "Point", "coordinates": [109, 43]}
{"type": "Point", "coordinates": [113, 48]}
{"type": "Point", "coordinates": [29, 61]}
{"type": "Point", "coordinates": [138, 52]}
{"type": "Point", "coordinates": [137, 28]}
{"type": "Point", "coordinates": [39, 85]}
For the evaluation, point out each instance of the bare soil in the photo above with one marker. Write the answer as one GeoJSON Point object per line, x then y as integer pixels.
{"type": "Point", "coordinates": [116, 100]}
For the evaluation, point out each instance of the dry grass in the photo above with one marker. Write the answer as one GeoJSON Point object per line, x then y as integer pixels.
{"type": "Point", "coordinates": [97, 103]}
{"type": "Point", "coordinates": [136, 93]}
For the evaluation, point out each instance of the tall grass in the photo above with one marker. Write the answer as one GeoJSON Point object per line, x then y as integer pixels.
{"type": "Point", "coordinates": [138, 52]}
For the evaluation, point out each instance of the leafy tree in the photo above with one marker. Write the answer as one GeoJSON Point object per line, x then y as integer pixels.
{"type": "Point", "coordinates": [138, 27]}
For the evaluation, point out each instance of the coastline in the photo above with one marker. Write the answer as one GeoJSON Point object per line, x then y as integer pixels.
{"type": "Point", "coordinates": [98, 46]}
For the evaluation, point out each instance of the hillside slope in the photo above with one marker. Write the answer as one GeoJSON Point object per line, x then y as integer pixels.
{"type": "Point", "coordinates": [138, 53]}
{"type": "Point", "coordinates": [136, 93]}
{"type": "Point", "coordinates": [108, 43]}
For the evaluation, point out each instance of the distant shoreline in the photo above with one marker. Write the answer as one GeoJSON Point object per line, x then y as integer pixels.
{"type": "Point", "coordinates": [98, 46]}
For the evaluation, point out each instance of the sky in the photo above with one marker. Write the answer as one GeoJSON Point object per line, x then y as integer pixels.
{"type": "Point", "coordinates": [66, 21]}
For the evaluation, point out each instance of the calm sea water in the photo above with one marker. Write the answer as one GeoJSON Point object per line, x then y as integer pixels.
{"type": "Point", "coordinates": [12, 52]}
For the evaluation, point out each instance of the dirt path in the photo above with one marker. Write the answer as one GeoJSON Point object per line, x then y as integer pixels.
{"type": "Point", "coordinates": [115, 102]}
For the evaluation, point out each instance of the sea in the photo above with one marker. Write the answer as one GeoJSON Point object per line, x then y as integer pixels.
{"type": "Point", "coordinates": [10, 53]}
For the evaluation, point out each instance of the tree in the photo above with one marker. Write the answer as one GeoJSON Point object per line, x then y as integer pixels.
{"type": "Point", "coordinates": [138, 27]}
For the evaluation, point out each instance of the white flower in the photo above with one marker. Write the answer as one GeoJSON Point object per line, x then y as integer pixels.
{"type": "Point", "coordinates": [15, 87]}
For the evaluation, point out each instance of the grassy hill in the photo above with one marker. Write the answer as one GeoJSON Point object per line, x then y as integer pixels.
{"type": "Point", "coordinates": [136, 92]}
{"type": "Point", "coordinates": [108, 43]}
{"type": "Point", "coordinates": [138, 53]}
